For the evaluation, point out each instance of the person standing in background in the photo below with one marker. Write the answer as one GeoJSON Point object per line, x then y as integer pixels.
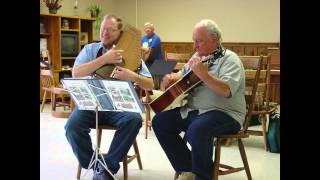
{"type": "Point", "coordinates": [151, 48]}
{"type": "Point", "coordinates": [151, 45]}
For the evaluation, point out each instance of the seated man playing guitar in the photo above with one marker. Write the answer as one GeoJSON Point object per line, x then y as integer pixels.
{"type": "Point", "coordinates": [92, 57]}
{"type": "Point", "coordinates": [216, 105]}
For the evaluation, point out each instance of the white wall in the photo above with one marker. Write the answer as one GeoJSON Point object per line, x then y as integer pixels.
{"type": "Point", "coordinates": [239, 20]}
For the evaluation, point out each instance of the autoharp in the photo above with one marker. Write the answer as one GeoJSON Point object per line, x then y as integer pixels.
{"type": "Point", "coordinates": [130, 42]}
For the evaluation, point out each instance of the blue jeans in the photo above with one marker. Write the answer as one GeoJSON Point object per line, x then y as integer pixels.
{"type": "Point", "coordinates": [78, 128]}
{"type": "Point", "coordinates": [200, 130]}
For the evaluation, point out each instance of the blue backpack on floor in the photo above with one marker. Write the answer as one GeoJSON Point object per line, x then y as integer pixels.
{"type": "Point", "coordinates": [273, 135]}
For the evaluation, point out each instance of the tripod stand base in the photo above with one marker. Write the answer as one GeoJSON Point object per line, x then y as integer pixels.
{"type": "Point", "coordinates": [94, 163]}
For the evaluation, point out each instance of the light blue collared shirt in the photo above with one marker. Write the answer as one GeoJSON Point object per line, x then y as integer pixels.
{"type": "Point", "coordinates": [229, 69]}
{"type": "Point", "coordinates": [89, 53]}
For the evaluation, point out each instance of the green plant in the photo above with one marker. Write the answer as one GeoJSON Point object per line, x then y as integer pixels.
{"type": "Point", "coordinates": [95, 11]}
{"type": "Point", "coordinates": [53, 4]}
{"type": "Point", "coordinates": [97, 24]}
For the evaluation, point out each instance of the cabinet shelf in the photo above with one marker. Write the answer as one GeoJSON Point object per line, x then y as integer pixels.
{"type": "Point", "coordinates": [44, 34]}
{"type": "Point", "coordinates": [54, 26]}
{"type": "Point", "coordinates": [63, 58]}
{"type": "Point", "coordinates": [70, 30]}
{"type": "Point", "coordinates": [66, 69]}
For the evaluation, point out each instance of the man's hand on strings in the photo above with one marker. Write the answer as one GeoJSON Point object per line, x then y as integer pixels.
{"type": "Point", "coordinates": [124, 74]}
{"type": "Point", "coordinates": [199, 69]}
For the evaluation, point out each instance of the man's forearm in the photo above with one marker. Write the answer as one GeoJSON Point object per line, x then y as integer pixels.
{"type": "Point", "coordinates": [86, 69]}
{"type": "Point", "coordinates": [144, 82]}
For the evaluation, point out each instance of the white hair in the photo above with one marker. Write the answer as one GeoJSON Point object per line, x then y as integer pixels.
{"type": "Point", "coordinates": [211, 27]}
{"type": "Point", "coordinates": [149, 24]}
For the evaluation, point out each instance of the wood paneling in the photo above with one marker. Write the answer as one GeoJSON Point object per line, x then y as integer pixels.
{"type": "Point", "coordinates": [242, 49]}
{"type": "Point", "coordinates": [275, 57]}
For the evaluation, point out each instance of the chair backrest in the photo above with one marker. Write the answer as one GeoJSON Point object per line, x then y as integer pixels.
{"type": "Point", "coordinates": [45, 56]}
{"type": "Point", "coordinates": [252, 66]}
{"type": "Point", "coordinates": [263, 88]}
{"type": "Point", "coordinates": [179, 57]}
{"type": "Point", "coordinates": [46, 74]}
{"type": "Point", "coordinates": [47, 79]}
{"type": "Point", "coordinates": [275, 57]}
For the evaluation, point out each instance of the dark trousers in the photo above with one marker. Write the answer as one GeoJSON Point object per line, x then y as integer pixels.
{"type": "Point", "coordinates": [78, 129]}
{"type": "Point", "coordinates": [200, 130]}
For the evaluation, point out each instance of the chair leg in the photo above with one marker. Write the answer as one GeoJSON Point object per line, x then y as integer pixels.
{"type": "Point", "coordinates": [43, 100]}
{"type": "Point", "coordinates": [265, 119]}
{"type": "Point", "coordinates": [53, 102]}
{"type": "Point", "coordinates": [136, 151]}
{"type": "Point", "coordinates": [228, 141]}
{"type": "Point", "coordinates": [244, 159]}
{"type": "Point", "coordinates": [79, 171]}
{"type": "Point", "coordinates": [217, 159]}
{"type": "Point", "coordinates": [125, 167]}
{"type": "Point", "coordinates": [147, 120]}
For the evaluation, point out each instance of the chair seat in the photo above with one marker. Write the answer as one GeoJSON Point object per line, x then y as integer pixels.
{"type": "Point", "coordinates": [57, 90]}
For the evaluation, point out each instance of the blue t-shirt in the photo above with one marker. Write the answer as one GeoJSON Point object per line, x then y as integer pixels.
{"type": "Point", "coordinates": [153, 41]}
{"type": "Point", "coordinates": [89, 53]}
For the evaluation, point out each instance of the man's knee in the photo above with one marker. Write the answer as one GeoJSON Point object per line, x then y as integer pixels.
{"type": "Point", "coordinates": [134, 121]}
{"type": "Point", "coordinates": [72, 125]}
{"type": "Point", "coordinates": [155, 122]}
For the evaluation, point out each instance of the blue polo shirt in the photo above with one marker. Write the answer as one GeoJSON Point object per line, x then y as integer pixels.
{"type": "Point", "coordinates": [89, 53]}
{"type": "Point", "coordinates": [152, 41]}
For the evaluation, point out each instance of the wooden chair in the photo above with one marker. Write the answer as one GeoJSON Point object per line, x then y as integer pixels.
{"type": "Point", "coordinates": [146, 101]}
{"type": "Point", "coordinates": [262, 107]}
{"type": "Point", "coordinates": [126, 160]}
{"type": "Point", "coordinates": [252, 73]}
{"type": "Point", "coordinates": [50, 86]}
{"type": "Point", "coordinates": [275, 57]}
{"type": "Point", "coordinates": [181, 59]}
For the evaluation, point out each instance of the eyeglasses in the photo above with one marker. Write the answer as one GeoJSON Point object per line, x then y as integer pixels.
{"type": "Point", "coordinates": [111, 30]}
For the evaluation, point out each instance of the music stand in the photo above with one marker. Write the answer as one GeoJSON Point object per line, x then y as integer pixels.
{"type": "Point", "coordinates": [95, 156]}
{"type": "Point", "coordinates": [97, 95]}
{"type": "Point", "coordinates": [161, 67]}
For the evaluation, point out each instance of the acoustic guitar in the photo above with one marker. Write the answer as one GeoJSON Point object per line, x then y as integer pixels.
{"type": "Point", "coordinates": [182, 86]}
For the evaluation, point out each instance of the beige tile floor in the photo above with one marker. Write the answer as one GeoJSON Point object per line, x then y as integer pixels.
{"type": "Point", "coordinates": [58, 162]}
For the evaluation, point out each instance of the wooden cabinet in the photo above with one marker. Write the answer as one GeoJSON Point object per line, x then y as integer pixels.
{"type": "Point", "coordinates": [54, 29]}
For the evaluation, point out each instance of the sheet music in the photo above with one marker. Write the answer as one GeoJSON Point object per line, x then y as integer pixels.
{"type": "Point", "coordinates": [81, 93]}
{"type": "Point", "coordinates": [122, 95]}
{"type": "Point", "coordinates": [108, 95]}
